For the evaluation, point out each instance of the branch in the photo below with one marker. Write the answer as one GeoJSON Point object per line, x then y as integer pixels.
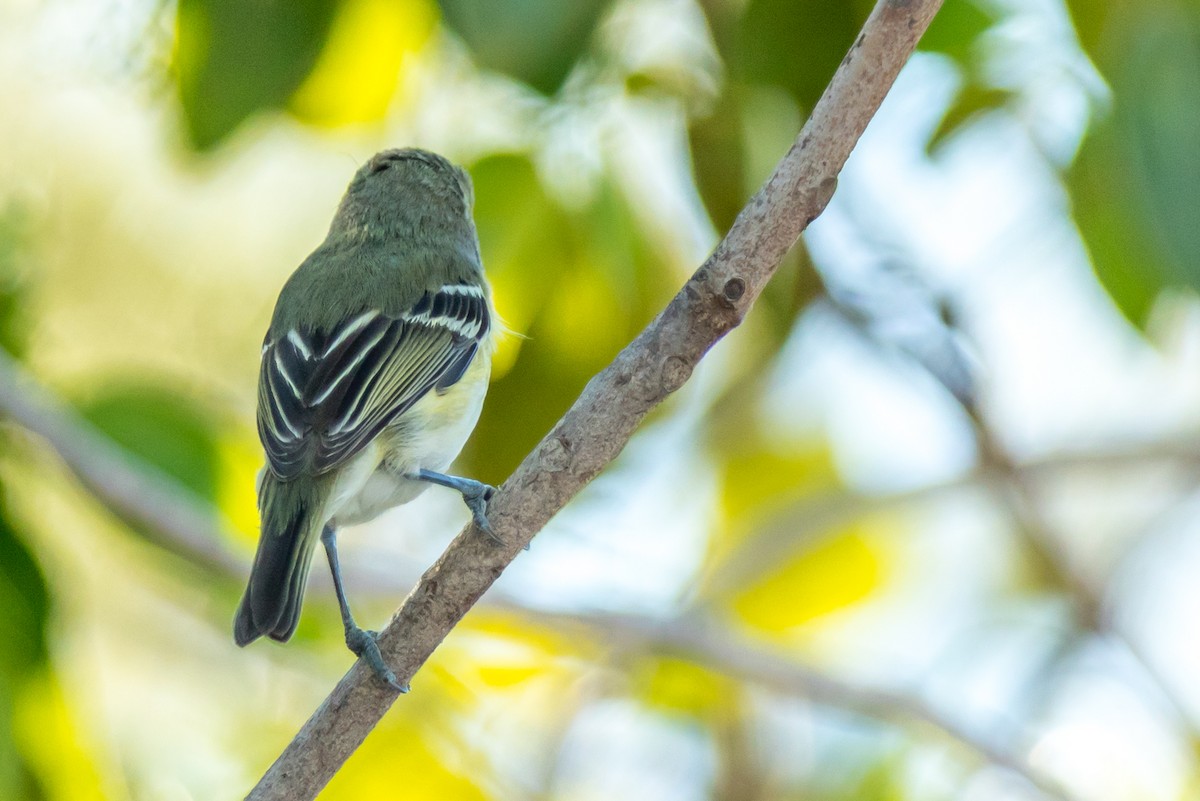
{"type": "Point", "coordinates": [597, 426]}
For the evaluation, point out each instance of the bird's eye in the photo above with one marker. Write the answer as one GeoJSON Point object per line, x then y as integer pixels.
{"type": "Point", "coordinates": [380, 166]}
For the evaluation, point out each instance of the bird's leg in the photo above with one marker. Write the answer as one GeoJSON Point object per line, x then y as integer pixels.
{"type": "Point", "coordinates": [475, 495]}
{"type": "Point", "coordinates": [361, 642]}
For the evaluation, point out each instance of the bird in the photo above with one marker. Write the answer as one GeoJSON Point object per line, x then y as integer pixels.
{"type": "Point", "coordinates": [372, 376]}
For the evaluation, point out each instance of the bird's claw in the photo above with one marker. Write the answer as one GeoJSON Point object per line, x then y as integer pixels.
{"type": "Point", "coordinates": [363, 644]}
{"type": "Point", "coordinates": [476, 498]}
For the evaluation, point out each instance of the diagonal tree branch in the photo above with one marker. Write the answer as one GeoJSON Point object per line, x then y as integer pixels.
{"type": "Point", "coordinates": [597, 426]}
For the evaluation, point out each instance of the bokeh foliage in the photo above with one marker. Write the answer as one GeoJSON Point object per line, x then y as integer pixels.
{"type": "Point", "coordinates": [1133, 184]}
{"type": "Point", "coordinates": [577, 272]}
{"type": "Point", "coordinates": [24, 597]}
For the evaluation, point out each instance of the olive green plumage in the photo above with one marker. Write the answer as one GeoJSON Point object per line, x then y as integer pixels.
{"type": "Point", "coordinates": [390, 240]}
{"type": "Point", "coordinates": [373, 370]}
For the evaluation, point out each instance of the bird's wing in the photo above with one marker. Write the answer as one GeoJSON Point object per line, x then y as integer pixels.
{"type": "Point", "coordinates": [323, 395]}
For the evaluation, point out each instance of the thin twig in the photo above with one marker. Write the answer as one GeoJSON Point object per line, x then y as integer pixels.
{"type": "Point", "coordinates": [810, 518]}
{"type": "Point", "coordinates": [715, 646]}
{"type": "Point", "coordinates": [601, 421]}
{"type": "Point", "coordinates": [1092, 606]}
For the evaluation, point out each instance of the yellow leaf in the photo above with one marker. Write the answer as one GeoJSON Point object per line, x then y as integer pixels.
{"type": "Point", "coordinates": [585, 317]}
{"type": "Point", "coordinates": [500, 651]}
{"type": "Point", "coordinates": [358, 71]}
{"type": "Point", "coordinates": [508, 344]}
{"type": "Point", "coordinates": [677, 685]}
{"type": "Point", "coordinates": [397, 761]}
{"type": "Point", "coordinates": [240, 460]}
{"type": "Point", "coordinates": [834, 574]}
{"type": "Point", "coordinates": [45, 732]}
{"type": "Point", "coordinates": [760, 478]}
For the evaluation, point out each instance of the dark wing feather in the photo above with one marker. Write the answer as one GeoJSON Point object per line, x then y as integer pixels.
{"type": "Point", "coordinates": [322, 396]}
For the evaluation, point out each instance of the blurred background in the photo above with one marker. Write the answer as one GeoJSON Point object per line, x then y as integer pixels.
{"type": "Point", "coordinates": [925, 527]}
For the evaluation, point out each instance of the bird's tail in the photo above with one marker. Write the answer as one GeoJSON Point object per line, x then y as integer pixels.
{"type": "Point", "coordinates": [292, 517]}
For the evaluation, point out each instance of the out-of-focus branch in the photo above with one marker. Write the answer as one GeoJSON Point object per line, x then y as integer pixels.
{"type": "Point", "coordinates": [130, 488]}
{"type": "Point", "coordinates": [811, 518]}
{"type": "Point", "coordinates": [723, 651]}
{"type": "Point", "coordinates": [1093, 612]}
{"type": "Point", "coordinates": [598, 425]}
{"type": "Point", "coordinates": [134, 491]}
{"type": "Point", "coordinates": [1017, 489]}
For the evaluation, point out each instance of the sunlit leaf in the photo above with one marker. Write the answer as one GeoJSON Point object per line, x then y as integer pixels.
{"type": "Point", "coordinates": [680, 686]}
{"type": "Point", "coordinates": [49, 735]}
{"type": "Point", "coordinates": [832, 574]}
{"type": "Point", "coordinates": [240, 459]}
{"type": "Point", "coordinates": [535, 41]}
{"type": "Point", "coordinates": [758, 480]}
{"type": "Point", "coordinates": [399, 760]}
{"type": "Point", "coordinates": [235, 58]}
{"type": "Point", "coordinates": [501, 651]}
{"type": "Point", "coordinates": [356, 75]}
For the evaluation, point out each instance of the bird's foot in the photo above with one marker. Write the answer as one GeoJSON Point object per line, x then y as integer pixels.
{"type": "Point", "coordinates": [363, 644]}
{"type": "Point", "coordinates": [475, 495]}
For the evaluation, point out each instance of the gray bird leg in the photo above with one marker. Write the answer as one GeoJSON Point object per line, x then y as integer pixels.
{"type": "Point", "coordinates": [360, 642]}
{"type": "Point", "coordinates": [475, 495]}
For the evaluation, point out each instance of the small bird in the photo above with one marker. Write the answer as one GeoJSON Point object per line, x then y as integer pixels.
{"type": "Point", "coordinates": [372, 377]}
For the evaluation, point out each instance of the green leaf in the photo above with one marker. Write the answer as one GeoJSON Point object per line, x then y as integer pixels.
{"type": "Point", "coordinates": [795, 44]}
{"type": "Point", "coordinates": [1134, 183]}
{"type": "Point", "coordinates": [955, 30]}
{"type": "Point", "coordinates": [815, 580]}
{"type": "Point", "coordinates": [235, 58]}
{"type": "Point", "coordinates": [718, 160]}
{"type": "Point", "coordinates": [1092, 18]}
{"type": "Point", "coordinates": [162, 427]}
{"type": "Point", "coordinates": [535, 41]}
{"type": "Point", "coordinates": [14, 283]}
{"type": "Point", "coordinates": [25, 601]}
{"type": "Point", "coordinates": [527, 249]}
{"type": "Point", "coordinates": [972, 101]}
